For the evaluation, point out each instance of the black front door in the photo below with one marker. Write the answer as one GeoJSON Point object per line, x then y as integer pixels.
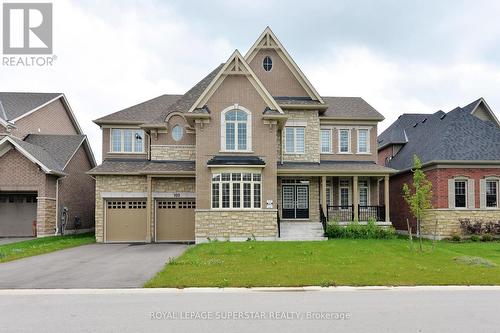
{"type": "Point", "coordinates": [295, 202]}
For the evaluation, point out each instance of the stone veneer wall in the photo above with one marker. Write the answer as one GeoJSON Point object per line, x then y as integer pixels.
{"type": "Point", "coordinates": [312, 152]}
{"type": "Point", "coordinates": [235, 225]}
{"type": "Point", "coordinates": [113, 184]}
{"type": "Point", "coordinates": [174, 185]}
{"type": "Point", "coordinates": [448, 220]}
{"type": "Point", "coordinates": [46, 217]}
{"type": "Point", "coordinates": [171, 152]}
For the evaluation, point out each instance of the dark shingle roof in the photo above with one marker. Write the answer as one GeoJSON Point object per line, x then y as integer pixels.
{"type": "Point", "coordinates": [235, 160]}
{"type": "Point", "coordinates": [16, 104]}
{"type": "Point", "coordinates": [350, 107]}
{"type": "Point", "coordinates": [454, 136]}
{"type": "Point", "coordinates": [335, 166]}
{"type": "Point", "coordinates": [60, 147]}
{"type": "Point", "coordinates": [395, 134]}
{"type": "Point", "coordinates": [142, 167]}
{"type": "Point", "coordinates": [142, 112]}
{"type": "Point", "coordinates": [40, 154]}
{"type": "Point", "coordinates": [284, 100]}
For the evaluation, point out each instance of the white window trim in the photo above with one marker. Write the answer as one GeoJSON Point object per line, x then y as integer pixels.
{"type": "Point", "coordinates": [231, 182]}
{"type": "Point", "coordinates": [349, 191]}
{"type": "Point", "coordinates": [122, 135]}
{"type": "Point", "coordinates": [461, 179]}
{"type": "Point", "coordinates": [330, 150]}
{"type": "Point", "coordinates": [368, 130]}
{"type": "Point", "coordinates": [348, 140]}
{"type": "Point", "coordinates": [223, 130]}
{"type": "Point", "coordinates": [295, 152]}
{"type": "Point", "coordinates": [368, 201]}
{"type": "Point", "coordinates": [492, 179]}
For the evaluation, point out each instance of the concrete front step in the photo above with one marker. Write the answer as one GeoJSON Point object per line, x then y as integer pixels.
{"type": "Point", "coordinates": [301, 231]}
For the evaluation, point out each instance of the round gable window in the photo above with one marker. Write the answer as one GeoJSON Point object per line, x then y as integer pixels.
{"type": "Point", "coordinates": [267, 63]}
{"type": "Point", "coordinates": [177, 132]}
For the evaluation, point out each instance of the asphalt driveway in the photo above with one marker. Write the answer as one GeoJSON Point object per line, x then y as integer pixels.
{"type": "Point", "coordinates": [90, 266]}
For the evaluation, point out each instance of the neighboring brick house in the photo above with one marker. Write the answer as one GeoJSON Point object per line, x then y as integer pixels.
{"type": "Point", "coordinates": [251, 142]}
{"type": "Point", "coordinates": [44, 157]}
{"type": "Point", "coordinates": [460, 152]}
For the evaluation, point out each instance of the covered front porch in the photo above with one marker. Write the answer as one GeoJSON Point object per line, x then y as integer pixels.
{"type": "Point", "coordinates": [334, 192]}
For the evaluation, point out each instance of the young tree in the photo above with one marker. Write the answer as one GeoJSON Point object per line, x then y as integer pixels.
{"type": "Point", "coordinates": [418, 195]}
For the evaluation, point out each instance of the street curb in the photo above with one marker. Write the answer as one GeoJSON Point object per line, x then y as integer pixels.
{"type": "Point", "coordinates": [239, 290]}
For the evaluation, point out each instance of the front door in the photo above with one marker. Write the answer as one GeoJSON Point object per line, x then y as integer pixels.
{"type": "Point", "coordinates": [295, 202]}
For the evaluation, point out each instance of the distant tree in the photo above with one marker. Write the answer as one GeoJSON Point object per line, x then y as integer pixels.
{"type": "Point", "coordinates": [418, 195]}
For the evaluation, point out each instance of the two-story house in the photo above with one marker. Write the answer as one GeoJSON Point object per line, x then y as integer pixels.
{"type": "Point", "coordinates": [44, 157]}
{"type": "Point", "coordinates": [250, 148]}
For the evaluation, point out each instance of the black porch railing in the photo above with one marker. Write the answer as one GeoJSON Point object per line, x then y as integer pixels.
{"type": "Point", "coordinates": [340, 213]}
{"type": "Point", "coordinates": [346, 213]}
{"type": "Point", "coordinates": [278, 221]}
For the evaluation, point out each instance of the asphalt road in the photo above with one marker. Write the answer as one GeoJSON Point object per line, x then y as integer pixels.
{"type": "Point", "coordinates": [394, 310]}
{"type": "Point", "coordinates": [89, 266]}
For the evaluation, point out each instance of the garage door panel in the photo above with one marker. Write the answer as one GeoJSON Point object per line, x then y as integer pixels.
{"type": "Point", "coordinates": [126, 221]}
{"type": "Point", "coordinates": [17, 214]}
{"type": "Point", "coordinates": [175, 220]}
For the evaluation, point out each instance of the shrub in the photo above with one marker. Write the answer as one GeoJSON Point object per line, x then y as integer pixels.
{"type": "Point", "coordinates": [455, 238]}
{"type": "Point", "coordinates": [355, 230]}
{"type": "Point", "coordinates": [475, 238]}
{"type": "Point", "coordinates": [486, 238]}
{"type": "Point", "coordinates": [479, 227]}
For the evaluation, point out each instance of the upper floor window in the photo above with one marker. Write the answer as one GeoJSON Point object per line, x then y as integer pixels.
{"type": "Point", "coordinates": [460, 193]}
{"type": "Point", "coordinates": [326, 141]}
{"type": "Point", "coordinates": [236, 190]}
{"type": "Point", "coordinates": [177, 132]}
{"type": "Point", "coordinates": [492, 193]}
{"type": "Point", "coordinates": [127, 140]}
{"type": "Point", "coordinates": [294, 140]}
{"type": "Point", "coordinates": [267, 63]}
{"type": "Point", "coordinates": [344, 141]}
{"type": "Point", "coordinates": [236, 130]}
{"type": "Point", "coordinates": [363, 140]}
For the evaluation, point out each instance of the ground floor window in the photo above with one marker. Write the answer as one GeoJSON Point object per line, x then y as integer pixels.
{"type": "Point", "coordinates": [363, 192]}
{"type": "Point", "coordinates": [460, 193]}
{"type": "Point", "coordinates": [344, 186]}
{"type": "Point", "coordinates": [236, 190]}
{"type": "Point", "coordinates": [492, 193]}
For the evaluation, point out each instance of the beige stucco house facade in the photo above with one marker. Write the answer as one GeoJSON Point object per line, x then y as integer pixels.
{"type": "Point", "coordinates": [250, 147]}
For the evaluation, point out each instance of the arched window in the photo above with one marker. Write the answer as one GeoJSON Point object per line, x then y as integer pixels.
{"type": "Point", "coordinates": [236, 129]}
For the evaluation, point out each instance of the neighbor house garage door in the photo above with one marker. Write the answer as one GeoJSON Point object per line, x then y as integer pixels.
{"type": "Point", "coordinates": [126, 220]}
{"type": "Point", "coordinates": [17, 214]}
{"type": "Point", "coordinates": [175, 220]}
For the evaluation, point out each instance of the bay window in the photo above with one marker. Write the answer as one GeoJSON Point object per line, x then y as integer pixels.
{"type": "Point", "coordinates": [295, 140]}
{"type": "Point", "coordinates": [236, 190]}
{"type": "Point", "coordinates": [127, 140]}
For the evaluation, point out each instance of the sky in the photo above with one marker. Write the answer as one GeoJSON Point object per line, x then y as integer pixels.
{"type": "Point", "coordinates": [400, 56]}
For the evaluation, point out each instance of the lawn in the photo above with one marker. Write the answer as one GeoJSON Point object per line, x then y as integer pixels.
{"type": "Point", "coordinates": [34, 247]}
{"type": "Point", "coordinates": [338, 262]}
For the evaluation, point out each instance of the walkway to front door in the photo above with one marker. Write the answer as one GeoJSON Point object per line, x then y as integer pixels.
{"type": "Point", "coordinates": [295, 200]}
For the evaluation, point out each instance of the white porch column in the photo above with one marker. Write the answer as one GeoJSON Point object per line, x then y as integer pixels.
{"type": "Point", "coordinates": [323, 194]}
{"type": "Point", "coordinates": [386, 198]}
{"type": "Point", "coordinates": [355, 196]}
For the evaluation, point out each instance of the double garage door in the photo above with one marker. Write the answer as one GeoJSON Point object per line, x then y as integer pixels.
{"type": "Point", "coordinates": [17, 214]}
{"type": "Point", "coordinates": [126, 220]}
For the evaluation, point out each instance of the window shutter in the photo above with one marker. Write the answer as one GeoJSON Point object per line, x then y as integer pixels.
{"type": "Point", "coordinates": [482, 193]}
{"type": "Point", "coordinates": [471, 193]}
{"type": "Point", "coordinates": [451, 193]}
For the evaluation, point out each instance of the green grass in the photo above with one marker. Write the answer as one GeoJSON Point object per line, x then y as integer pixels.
{"type": "Point", "coordinates": [361, 262]}
{"type": "Point", "coordinates": [34, 247]}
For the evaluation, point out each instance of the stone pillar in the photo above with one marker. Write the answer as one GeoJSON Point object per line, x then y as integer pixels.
{"type": "Point", "coordinates": [386, 198]}
{"type": "Point", "coordinates": [149, 207]}
{"type": "Point", "coordinates": [355, 196]}
{"type": "Point", "coordinates": [46, 217]}
{"type": "Point", "coordinates": [323, 194]}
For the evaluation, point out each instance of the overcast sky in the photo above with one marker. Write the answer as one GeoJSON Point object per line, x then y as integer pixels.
{"type": "Point", "coordinates": [400, 56]}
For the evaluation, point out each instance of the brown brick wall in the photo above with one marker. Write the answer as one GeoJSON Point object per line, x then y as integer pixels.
{"type": "Point", "coordinates": [76, 191]}
{"type": "Point", "coordinates": [336, 156]}
{"type": "Point", "coordinates": [51, 119]}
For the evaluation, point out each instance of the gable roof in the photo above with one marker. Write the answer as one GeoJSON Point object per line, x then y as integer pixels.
{"type": "Point", "coordinates": [454, 136]}
{"type": "Point", "coordinates": [235, 65]}
{"type": "Point", "coordinates": [474, 106]}
{"type": "Point", "coordinates": [269, 40]}
{"type": "Point", "coordinates": [142, 112]}
{"type": "Point", "coordinates": [17, 104]}
{"type": "Point", "coordinates": [60, 147]}
{"type": "Point", "coordinates": [350, 108]}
